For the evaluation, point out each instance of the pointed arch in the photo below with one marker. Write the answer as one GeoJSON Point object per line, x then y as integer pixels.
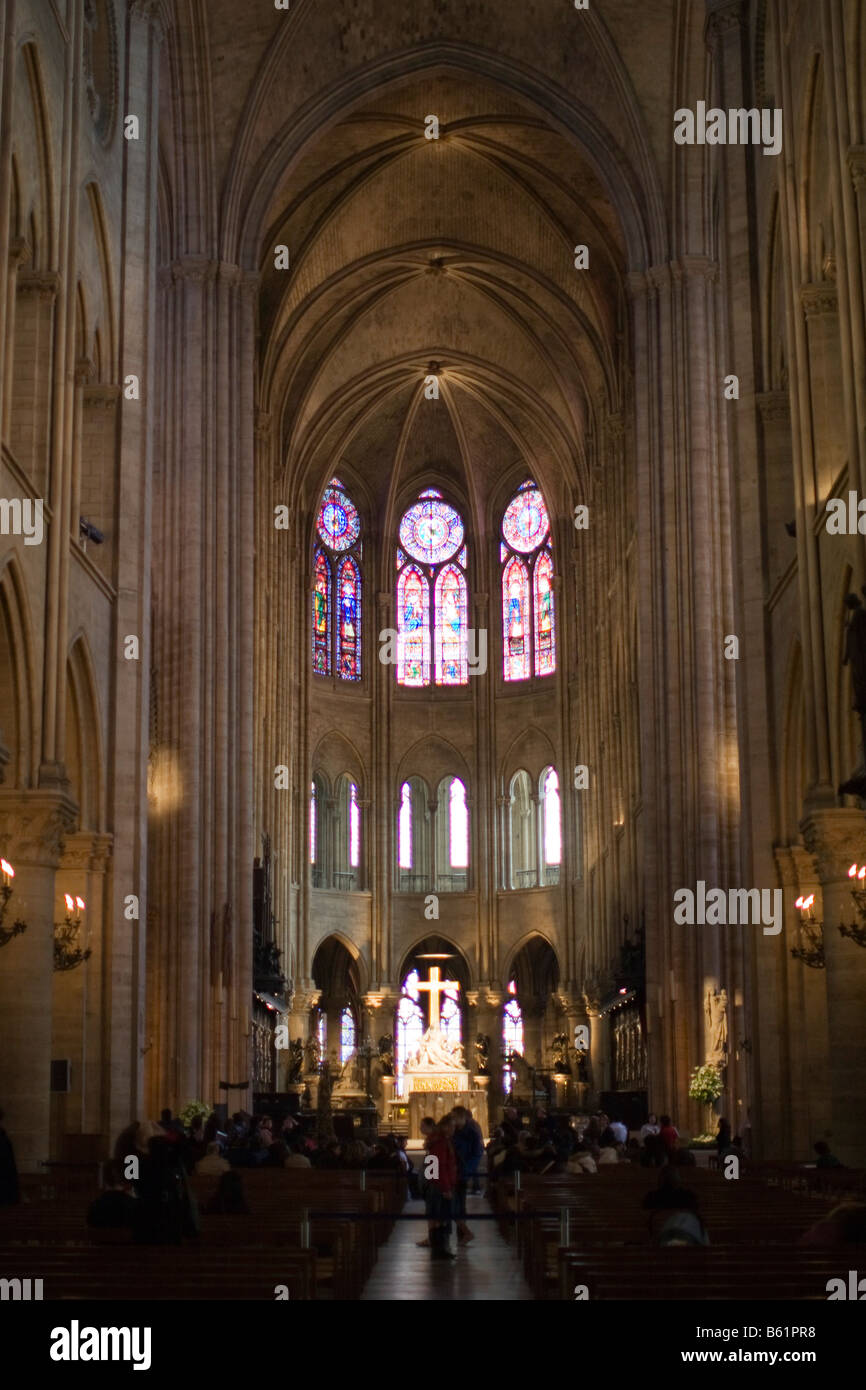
{"type": "Point", "coordinates": [18, 721]}
{"type": "Point", "coordinates": [544, 617]}
{"type": "Point", "coordinates": [451, 639]}
{"type": "Point", "coordinates": [515, 620]}
{"type": "Point", "coordinates": [349, 620]}
{"type": "Point", "coordinates": [413, 627]}
{"type": "Point", "coordinates": [84, 737]}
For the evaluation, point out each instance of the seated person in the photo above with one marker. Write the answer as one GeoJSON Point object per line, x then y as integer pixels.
{"type": "Point", "coordinates": [581, 1161]}
{"type": "Point", "coordinates": [296, 1158]}
{"type": "Point", "coordinates": [228, 1200]}
{"type": "Point", "coordinates": [844, 1225]}
{"type": "Point", "coordinates": [213, 1161]}
{"type": "Point", "coordinates": [114, 1208]}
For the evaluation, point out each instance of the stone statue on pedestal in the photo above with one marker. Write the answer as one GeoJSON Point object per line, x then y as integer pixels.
{"type": "Point", "coordinates": [386, 1055]}
{"type": "Point", "coordinates": [716, 1009]}
{"type": "Point", "coordinates": [482, 1055]}
{"type": "Point", "coordinates": [296, 1061]}
{"type": "Point", "coordinates": [312, 1055]}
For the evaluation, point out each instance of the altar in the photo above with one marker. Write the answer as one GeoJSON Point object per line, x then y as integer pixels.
{"type": "Point", "coordinates": [435, 1076]}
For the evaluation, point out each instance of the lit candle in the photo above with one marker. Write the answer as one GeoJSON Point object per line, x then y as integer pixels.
{"type": "Point", "coordinates": [7, 871]}
{"type": "Point", "coordinates": [69, 902]}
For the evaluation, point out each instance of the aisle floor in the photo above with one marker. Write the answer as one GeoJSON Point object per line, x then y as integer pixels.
{"type": "Point", "coordinates": [485, 1270]}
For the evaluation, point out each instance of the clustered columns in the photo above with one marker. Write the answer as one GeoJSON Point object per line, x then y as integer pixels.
{"type": "Point", "coordinates": [837, 839]}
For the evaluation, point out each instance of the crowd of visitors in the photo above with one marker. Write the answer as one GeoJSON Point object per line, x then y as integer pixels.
{"type": "Point", "coordinates": [453, 1148]}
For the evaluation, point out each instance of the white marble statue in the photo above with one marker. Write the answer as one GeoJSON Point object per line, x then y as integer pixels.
{"type": "Point", "coordinates": [717, 1023]}
{"type": "Point", "coordinates": [434, 1054]}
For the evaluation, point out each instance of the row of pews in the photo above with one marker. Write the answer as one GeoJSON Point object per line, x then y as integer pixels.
{"type": "Point", "coordinates": [590, 1232]}
{"type": "Point", "coordinates": [300, 1235]}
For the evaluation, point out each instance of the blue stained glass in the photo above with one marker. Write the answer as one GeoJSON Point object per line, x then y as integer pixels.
{"type": "Point", "coordinates": [338, 524]}
{"type": "Point", "coordinates": [525, 524]}
{"type": "Point", "coordinates": [431, 531]}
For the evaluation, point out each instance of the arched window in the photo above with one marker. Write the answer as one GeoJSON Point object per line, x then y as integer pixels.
{"type": "Point", "coordinates": [528, 638]}
{"type": "Point", "coordinates": [432, 595]}
{"type": "Point", "coordinates": [322, 1033]}
{"type": "Point", "coordinates": [450, 1022]}
{"type": "Point", "coordinates": [512, 1036]}
{"type": "Point", "coordinates": [552, 839]}
{"type": "Point", "coordinates": [413, 627]}
{"type": "Point", "coordinates": [347, 1034]}
{"type": "Point", "coordinates": [410, 1027]}
{"type": "Point", "coordinates": [413, 838]}
{"type": "Point", "coordinates": [337, 586]}
{"type": "Point", "coordinates": [318, 838]}
{"type": "Point", "coordinates": [346, 837]}
{"type": "Point", "coordinates": [451, 837]}
{"type": "Point", "coordinates": [524, 833]}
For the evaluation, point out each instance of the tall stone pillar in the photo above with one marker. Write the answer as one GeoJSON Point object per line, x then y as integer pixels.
{"type": "Point", "coordinates": [837, 838]}
{"type": "Point", "coordinates": [486, 1017]}
{"type": "Point", "coordinates": [33, 827]}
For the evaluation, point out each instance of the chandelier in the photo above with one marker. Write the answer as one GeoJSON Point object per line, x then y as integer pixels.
{"type": "Point", "coordinates": [68, 952]}
{"type": "Point", "coordinates": [7, 873]}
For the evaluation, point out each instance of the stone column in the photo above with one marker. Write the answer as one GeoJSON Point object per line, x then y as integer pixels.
{"type": "Point", "coordinates": [33, 827]}
{"type": "Point", "coordinates": [486, 1017]}
{"type": "Point", "coordinates": [837, 838]}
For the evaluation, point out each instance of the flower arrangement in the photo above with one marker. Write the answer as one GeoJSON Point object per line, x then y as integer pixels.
{"type": "Point", "coordinates": [706, 1083]}
{"type": "Point", "coordinates": [191, 1109]}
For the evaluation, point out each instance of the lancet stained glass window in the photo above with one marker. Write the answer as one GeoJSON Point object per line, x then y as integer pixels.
{"type": "Point", "coordinates": [337, 586]}
{"type": "Point", "coordinates": [410, 1026]}
{"type": "Point", "coordinates": [528, 613]}
{"type": "Point", "coordinates": [347, 1034]}
{"type": "Point", "coordinates": [512, 1036]}
{"type": "Point", "coordinates": [432, 595]}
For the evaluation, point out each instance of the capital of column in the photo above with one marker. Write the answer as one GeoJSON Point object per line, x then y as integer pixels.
{"type": "Point", "coordinates": [42, 284]}
{"type": "Point", "coordinates": [490, 996]}
{"type": "Point", "coordinates": [837, 839]}
{"type": "Point", "coordinates": [819, 299]}
{"type": "Point", "coordinates": [305, 999]}
{"type": "Point", "coordinates": [87, 850]}
{"type": "Point", "coordinates": [19, 252]}
{"type": "Point", "coordinates": [34, 826]}
{"type": "Point", "coordinates": [796, 866]}
{"type": "Point", "coordinates": [197, 269]}
{"type": "Point", "coordinates": [378, 999]}
{"type": "Point", "coordinates": [101, 396]}
{"type": "Point", "coordinates": [857, 167]}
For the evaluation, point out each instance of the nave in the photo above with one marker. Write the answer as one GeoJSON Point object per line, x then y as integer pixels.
{"type": "Point", "coordinates": [484, 1270]}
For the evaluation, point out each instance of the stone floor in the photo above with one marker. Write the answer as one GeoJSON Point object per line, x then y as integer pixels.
{"type": "Point", "coordinates": [486, 1269]}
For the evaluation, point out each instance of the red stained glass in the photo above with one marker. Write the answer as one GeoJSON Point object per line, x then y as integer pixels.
{"type": "Point", "coordinates": [322, 615]}
{"type": "Point", "coordinates": [515, 620]}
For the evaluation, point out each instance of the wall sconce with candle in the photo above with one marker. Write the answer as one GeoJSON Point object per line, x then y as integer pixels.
{"type": "Point", "coordinates": [7, 873]}
{"type": "Point", "coordinates": [811, 948]}
{"type": "Point", "coordinates": [856, 931]}
{"type": "Point", "coordinates": [67, 950]}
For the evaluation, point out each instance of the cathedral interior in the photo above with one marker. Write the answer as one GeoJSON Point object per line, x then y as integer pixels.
{"type": "Point", "coordinates": [417, 547]}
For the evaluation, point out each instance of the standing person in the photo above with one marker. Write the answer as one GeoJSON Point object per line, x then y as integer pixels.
{"type": "Point", "coordinates": [8, 1169]}
{"type": "Point", "coordinates": [669, 1135]}
{"type": "Point", "coordinates": [425, 1191]}
{"type": "Point", "coordinates": [468, 1146]}
{"type": "Point", "coordinates": [443, 1182]}
{"type": "Point", "coordinates": [619, 1131]}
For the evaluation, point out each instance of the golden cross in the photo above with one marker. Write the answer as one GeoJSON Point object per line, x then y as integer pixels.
{"type": "Point", "coordinates": [434, 987]}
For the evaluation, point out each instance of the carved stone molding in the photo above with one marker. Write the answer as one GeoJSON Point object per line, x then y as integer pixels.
{"type": "Point", "coordinates": [101, 397]}
{"type": "Point", "coordinates": [837, 839]}
{"type": "Point", "coordinates": [87, 850]}
{"type": "Point", "coordinates": [797, 868]}
{"type": "Point", "coordinates": [19, 252]}
{"type": "Point", "coordinates": [857, 167]}
{"type": "Point", "coordinates": [724, 17]}
{"type": "Point", "coordinates": [34, 826]}
{"type": "Point", "coordinates": [42, 284]}
{"type": "Point", "coordinates": [700, 268]}
{"type": "Point", "coordinates": [305, 999]}
{"type": "Point", "coordinates": [198, 270]}
{"type": "Point", "coordinates": [774, 405]}
{"type": "Point", "coordinates": [819, 299]}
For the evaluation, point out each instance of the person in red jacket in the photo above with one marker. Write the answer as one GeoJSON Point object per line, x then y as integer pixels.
{"type": "Point", "coordinates": [669, 1135]}
{"type": "Point", "coordinates": [440, 1169]}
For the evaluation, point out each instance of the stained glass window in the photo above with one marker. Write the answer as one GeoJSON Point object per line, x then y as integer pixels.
{"type": "Point", "coordinates": [458, 827]}
{"type": "Point", "coordinates": [349, 620]}
{"type": "Point", "coordinates": [322, 1032]}
{"type": "Point", "coordinates": [410, 1027]}
{"type": "Point", "coordinates": [347, 1034]}
{"type": "Point", "coordinates": [413, 627]}
{"type": "Point", "coordinates": [431, 531]}
{"type": "Point", "coordinates": [339, 524]}
{"type": "Point", "coordinates": [432, 595]}
{"type": "Point", "coordinates": [552, 830]}
{"type": "Point", "coordinates": [450, 1022]}
{"type": "Point", "coordinates": [512, 1036]}
{"type": "Point", "coordinates": [405, 827]}
{"type": "Point", "coordinates": [337, 586]}
{"type": "Point", "coordinates": [322, 615]}
{"type": "Point", "coordinates": [452, 658]}
{"type": "Point", "coordinates": [528, 614]}
{"type": "Point", "coordinates": [545, 649]}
